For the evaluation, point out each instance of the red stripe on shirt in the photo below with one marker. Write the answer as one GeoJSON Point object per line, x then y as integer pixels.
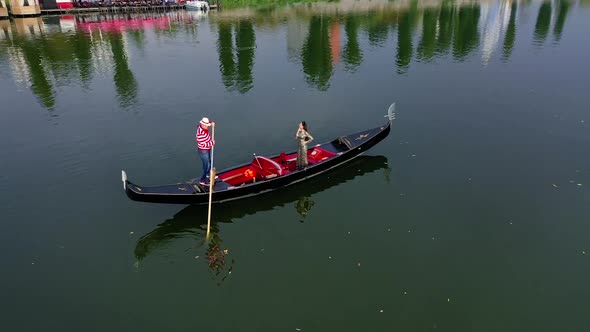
{"type": "Point", "coordinates": [204, 141]}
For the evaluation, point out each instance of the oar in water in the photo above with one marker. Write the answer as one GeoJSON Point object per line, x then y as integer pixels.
{"type": "Point", "coordinates": [211, 184]}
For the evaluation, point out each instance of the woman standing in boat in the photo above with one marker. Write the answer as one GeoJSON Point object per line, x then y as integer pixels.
{"type": "Point", "coordinates": [303, 137]}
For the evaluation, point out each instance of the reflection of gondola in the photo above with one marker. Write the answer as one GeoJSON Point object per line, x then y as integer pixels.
{"type": "Point", "coordinates": [190, 221]}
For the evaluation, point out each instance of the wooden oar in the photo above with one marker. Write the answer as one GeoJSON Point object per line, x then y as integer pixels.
{"type": "Point", "coordinates": [211, 184]}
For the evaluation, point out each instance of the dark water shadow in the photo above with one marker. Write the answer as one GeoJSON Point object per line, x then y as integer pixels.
{"type": "Point", "coordinates": [192, 220]}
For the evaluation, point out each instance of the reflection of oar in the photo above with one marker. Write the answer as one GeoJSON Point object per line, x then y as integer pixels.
{"type": "Point", "coordinates": [211, 183]}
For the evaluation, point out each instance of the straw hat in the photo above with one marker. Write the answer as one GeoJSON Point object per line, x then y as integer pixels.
{"type": "Point", "coordinates": [205, 122]}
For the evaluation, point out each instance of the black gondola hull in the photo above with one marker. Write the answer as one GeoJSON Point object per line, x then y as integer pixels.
{"type": "Point", "coordinates": [193, 193]}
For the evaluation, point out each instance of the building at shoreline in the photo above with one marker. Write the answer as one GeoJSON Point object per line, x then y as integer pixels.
{"type": "Point", "coordinates": [21, 8]}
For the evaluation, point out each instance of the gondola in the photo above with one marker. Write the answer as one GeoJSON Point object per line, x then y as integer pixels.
{"type": "Point", "coordinates": [264, 174]}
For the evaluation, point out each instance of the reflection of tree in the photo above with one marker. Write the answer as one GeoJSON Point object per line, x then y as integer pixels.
{"type": "Point", "coordinates": [125, 82]}
{"type": "Point", "coordinates": [564, 6]}
{"type": "Point", "coordinates": [83, 53]}
{"type": "Point", "coordinates": [40, 84]}
{"type": "Point", "coordinates": [226, 54]}
{"type": "Point", "coordinates": [466, 34]}
{"type": "Point", "coordinates": [352, 53]}
{"type": "Point", "coordinates": [377, 31]}
{"type": "Point", "coordinates": [245, 43]}
{"type": "Point", "coordinates": [510, 33]}
{"type": "Point", "coordinates": [58, 52]}
{"type": "Point", "coordinates": [445, 29]}
{"type": "Point", "coordinates": [316, 56]}
{"type": "Point", "coordinates": [404, 42]}
{"type": "Point", "coordinates": [137, 36]}
{"type": "Point", "coordinates": [543, 21]}
{"type": "Point", "coordinates": [303, 206]}
{"type": "Point", "coordinates": [427, 45]}
{"type": "Point", "coordinates": [236, 69]}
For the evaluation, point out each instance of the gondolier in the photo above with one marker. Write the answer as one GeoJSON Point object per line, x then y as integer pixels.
{"type": "Point", "coordinates": [204, 145]}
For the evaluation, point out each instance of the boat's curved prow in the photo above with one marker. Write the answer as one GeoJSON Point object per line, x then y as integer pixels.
{"type": "Point", "coordinates": [124, 179]}
{"type": "Point", "coordinates": [391, 112]}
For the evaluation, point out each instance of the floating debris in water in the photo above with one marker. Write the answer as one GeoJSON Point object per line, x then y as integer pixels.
{"type": "Point", "coordinates": [358, 264]}
{"type": "Point", "coordinates": [554, 185]}
{"type": "Point", "coordinates": [226, 251]}
{"type": "Point", "coordinates": [448, 300]}
{"type": "Point", "coordinates": [381, 310]}
{"type": "Point", "coordinates": [329, 257]}
{"type": "Point", "coordinates": [413, 155]}
{"type": "Point", "coordinates": [297, 329]}
{"type": "Point", "coordinates": [405, 293]}
{"type": "Point", "coordinates": [389, 229]}
{"type": "Point", "coordinates": [583, 252]}
{"type": "Point", "coordinates": [579, 184]}
{"type": "Point", "coordinates": [197, 257]}
{"type": "Point", "coordinates": [130, 232]}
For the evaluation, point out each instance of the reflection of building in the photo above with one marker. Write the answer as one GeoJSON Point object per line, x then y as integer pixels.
{"type": "Point", "coordinates": [335, 41]}
{"type": "Point", "coordinates": [119, 24]}
{"type": "Point", "coordinates": [5, 30]}
{"type": "Point", "coordinates": [67, 23]}
{"type": "Point", "coordinates": [29, 26]}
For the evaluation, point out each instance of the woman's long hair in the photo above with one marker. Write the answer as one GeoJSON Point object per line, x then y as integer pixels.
{"type": "Point", "coordinates": [304, 125]}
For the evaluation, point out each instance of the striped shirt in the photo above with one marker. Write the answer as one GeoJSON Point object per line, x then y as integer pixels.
{"type": "Point", "coordinates": [204, 141]}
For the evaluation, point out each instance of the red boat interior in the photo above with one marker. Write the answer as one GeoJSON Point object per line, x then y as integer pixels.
{"type": "Point", "coordinates": [263, 168]}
